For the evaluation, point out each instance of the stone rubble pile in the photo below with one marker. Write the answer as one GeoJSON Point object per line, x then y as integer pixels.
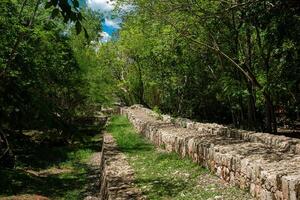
{"type": "Point", "coordinates": [116, 174]}
{"type": "Point", "coordinates": [267, 165]}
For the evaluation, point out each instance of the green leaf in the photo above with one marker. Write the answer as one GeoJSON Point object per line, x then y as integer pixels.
{"type": "Point", "coordinates": [76, 3]}
{"type": "Point", "coordinates": [48, 4]}
{"type": "Point", "coordinates": [54, 2]}
{"type": "Point", "coordinates": [79, 16]}
{"type": "Point", "coordinates": [78, 27]}
{"type": "Point", "coordinates": [73, 16]}
{"type": "Point", "coordinates": [54, 13]}
{"type": "Point", "coordinates": [86, 35]}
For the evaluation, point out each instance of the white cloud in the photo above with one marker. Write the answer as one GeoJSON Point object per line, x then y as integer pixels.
{"type": "Point", "coordinates": [102, 5]}
{"type": "Point", "coordinates": [114, 23]}
{"type": "Point", "coordinates": [109, 5]}
{"type": "Point", "coordinates": [105, 37]}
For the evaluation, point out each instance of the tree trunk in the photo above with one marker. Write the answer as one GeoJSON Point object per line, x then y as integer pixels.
{"type": "Point", "coordinates": [250, 86]}
{"type": "Point", "coordinates": [141, 88]}
{"type": "Point", "coordinates": [271, 124]}
{"type": "Point", "coordinates": [251, 107]}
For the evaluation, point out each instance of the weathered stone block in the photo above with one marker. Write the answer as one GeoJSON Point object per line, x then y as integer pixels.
{"type": "Point", "coordinates": [267, 165]}
{"type": "Point", "coordinates": [291, 187]}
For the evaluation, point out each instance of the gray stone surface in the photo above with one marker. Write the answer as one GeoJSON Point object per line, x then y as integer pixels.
{"type": "Point", "coordinates": [267, 165]}
{"type": "Point", "coordinates": [116, 174]}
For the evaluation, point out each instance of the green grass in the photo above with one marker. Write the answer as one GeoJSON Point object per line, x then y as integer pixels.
{"type": "Point", "coordinates": [53, 172]}
{"type": "Point", "coordinates": [162, 175]}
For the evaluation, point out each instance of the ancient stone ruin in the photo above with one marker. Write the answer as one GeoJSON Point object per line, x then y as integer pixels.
{"type": "Point", "coordinates": [267, 165]}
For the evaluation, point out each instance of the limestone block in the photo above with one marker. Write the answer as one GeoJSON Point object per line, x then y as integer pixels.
{"type": "Point", "coordinates": [265, 164]}
{"type": "Point", "coordinates": [278, 195]}
{"type": "Point", "coordinates": [297, 149]}
{"type": "Point", "coordinates": [291, 187]}
{"type": "Point", "coordinates": [252, 189]}
{"type": "Point", "coordinates": [266, 195]}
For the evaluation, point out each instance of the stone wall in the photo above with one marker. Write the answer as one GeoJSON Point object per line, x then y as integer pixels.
{"type": "Point", "coordinates": [266, 165]}
{"type": "Point", "coordinates": [116, 174]}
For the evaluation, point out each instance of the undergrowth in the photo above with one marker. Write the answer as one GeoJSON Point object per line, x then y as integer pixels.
{"type": "Point", "coordinates": [49, 171]}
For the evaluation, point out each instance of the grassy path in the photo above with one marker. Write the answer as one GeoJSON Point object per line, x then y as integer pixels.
{"type": "Point", "coordinates": [162, 175]}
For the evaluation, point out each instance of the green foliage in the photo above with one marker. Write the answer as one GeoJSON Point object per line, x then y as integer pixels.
{"type": "Point", "coordinates": [157, 110]}
{"type": "Point", "coordinates": [70, 11]}
{"type": "Point", "coordinates": [43, 77]}
{"type": "Point", "coordinates": [214, 61]}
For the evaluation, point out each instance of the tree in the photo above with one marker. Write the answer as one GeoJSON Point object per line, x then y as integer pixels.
{"type": "Point", "coordinates": [41, 79]}
{"type": "Point", "coordinates": [193, 57]}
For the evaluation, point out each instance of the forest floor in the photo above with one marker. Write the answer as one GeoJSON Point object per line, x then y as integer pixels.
{"type": "Point", "coordinates": [54, 172]}
{"type": "Point", "coordinates": [162, 175]}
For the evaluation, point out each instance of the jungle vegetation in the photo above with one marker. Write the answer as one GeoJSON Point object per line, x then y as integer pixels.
{"type": "Point", "coordinates": [232, 62]}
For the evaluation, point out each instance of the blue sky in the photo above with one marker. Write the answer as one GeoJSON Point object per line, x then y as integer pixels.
{"type": "Point", "coordinates": [110, 24]}
{"type": "Point", "coordinates": [108, 29]}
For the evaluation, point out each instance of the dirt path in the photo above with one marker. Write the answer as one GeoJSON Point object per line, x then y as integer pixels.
{"type": "Point", "coordinates": [93, 187]}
